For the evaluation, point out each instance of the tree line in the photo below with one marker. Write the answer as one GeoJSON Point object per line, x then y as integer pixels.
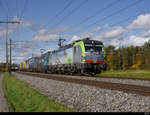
{"type": "Point", "coordinates": [132, 57]}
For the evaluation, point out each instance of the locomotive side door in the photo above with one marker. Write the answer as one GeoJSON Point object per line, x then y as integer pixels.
{"type": "Point", "coordinates": [77, 54]}
{"type": "Point", "coordinates": [74, 54]}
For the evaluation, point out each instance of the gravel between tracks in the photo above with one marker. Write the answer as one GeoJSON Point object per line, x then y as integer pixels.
{"type": "Point", "coordinates": [86, 98]}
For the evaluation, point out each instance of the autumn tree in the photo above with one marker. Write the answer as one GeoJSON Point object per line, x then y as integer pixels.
{"type": "Point", "coordinates": [128, 57]}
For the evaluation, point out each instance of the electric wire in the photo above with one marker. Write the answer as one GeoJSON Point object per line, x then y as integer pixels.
{"type": "Point", "coordinates": [115, 13]}
{"type": "Point", "coordinates": [128, 18]}
{"type": "Point", "coordinates": [17, 12]}
{"type": "Point", "coordinates": [6, 4]}
{"type": "Point", "coordinates": [22, 13]}
{"type": "Point", "coordinates": [71, 12]}
{"type": "Point", "coordinates": [59, 13]}
{"type": "Point", "coordinates": [23, 10]}
{"type": "Point", "coordinates": [99, 11]}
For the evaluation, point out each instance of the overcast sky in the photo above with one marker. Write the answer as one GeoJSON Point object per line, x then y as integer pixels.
{"type": "Point", "coordinates": [42, 22]}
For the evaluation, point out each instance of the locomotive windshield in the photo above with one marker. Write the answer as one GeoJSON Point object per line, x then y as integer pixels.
{"type": "Point", "coordinates": [92, 47]}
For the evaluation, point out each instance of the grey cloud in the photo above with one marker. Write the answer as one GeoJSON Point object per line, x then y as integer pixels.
{"type": "Point", "coordinates": [146, 34]}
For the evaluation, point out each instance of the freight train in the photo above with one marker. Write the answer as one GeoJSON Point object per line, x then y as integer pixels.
{"type": "Point", "coordinates": [80, 57]}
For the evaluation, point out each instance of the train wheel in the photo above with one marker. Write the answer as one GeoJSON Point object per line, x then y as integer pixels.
{"type": "Point", "coordinates": [92, 74]}
{"type": "Point", "coordinates": [80, 72]}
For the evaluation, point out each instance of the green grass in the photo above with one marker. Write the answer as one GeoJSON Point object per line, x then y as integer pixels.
{"type": "Point", "coordinates": [21, 98]}
{"type": "Point", "coordinates": [127, 74]}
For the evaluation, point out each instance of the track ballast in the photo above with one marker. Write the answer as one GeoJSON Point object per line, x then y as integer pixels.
{"type": "Point", "coordinates": [135, 89]}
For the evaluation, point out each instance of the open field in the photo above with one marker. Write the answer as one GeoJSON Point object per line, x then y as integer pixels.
{"type": "Point", "coordinates": [127, 74]}
{"type": "Point", "coordinates": [21, 98]}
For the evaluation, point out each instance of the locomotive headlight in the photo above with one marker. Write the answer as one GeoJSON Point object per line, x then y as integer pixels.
{"type": "Point", "coordinates": [83, 59]}
{"type": "Point", "coordinates": [102, 49]}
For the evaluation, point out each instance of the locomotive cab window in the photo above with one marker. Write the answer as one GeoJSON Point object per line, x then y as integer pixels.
{"type": "Point", "coordinates": [94, 48]}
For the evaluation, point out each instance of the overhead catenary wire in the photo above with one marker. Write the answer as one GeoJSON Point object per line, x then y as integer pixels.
{"type": "Point", "coordinates": [17, 12]}
{"type": "Point", "coordinates": [59, 13]}
{"type": "Point", "coordinates": [115, 13]}
{"type": "Point", "coordinates": [112, 14]}
{"type": "Point", "coordinates": [98, 12]}
{"type": "Point", "coordinates": [32, 42]}
{"type": "Point", "coordinates": [128, 18]}
{"type": "Point", "coordinates": [9, 12]}
{"type": "Point", "coordinates": [21, 14]}
{"type": "Point", "coordinates": [24, 7]}
{"type": "Point", "coordinates": [71, 12]}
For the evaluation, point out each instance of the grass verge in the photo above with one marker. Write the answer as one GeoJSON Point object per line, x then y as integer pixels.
{"type": "Point", "coordinates": [127, 74]}
{"type": "Point", "coordinates": [21, 98]}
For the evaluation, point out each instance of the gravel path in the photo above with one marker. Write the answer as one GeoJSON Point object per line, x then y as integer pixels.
{"type": "Point", "coordinates": [88, 99]}
{"type": "Point", "coordinates": [3, 102]}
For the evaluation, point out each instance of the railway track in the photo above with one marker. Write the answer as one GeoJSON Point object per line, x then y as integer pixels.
{"type": "Point", "coordinates": [114, 77]}
{"type": "Point", "coordinates": [135, 89]}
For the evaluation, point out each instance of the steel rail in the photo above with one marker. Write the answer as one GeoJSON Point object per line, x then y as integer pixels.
{"type": "Point", "coordinates": [134, 89]}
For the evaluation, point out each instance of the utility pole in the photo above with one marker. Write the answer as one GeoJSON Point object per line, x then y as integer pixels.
{"type": "Point", "coordinates": [10, 58]}
{"type": "Point", "coordinates": [12, 22]}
